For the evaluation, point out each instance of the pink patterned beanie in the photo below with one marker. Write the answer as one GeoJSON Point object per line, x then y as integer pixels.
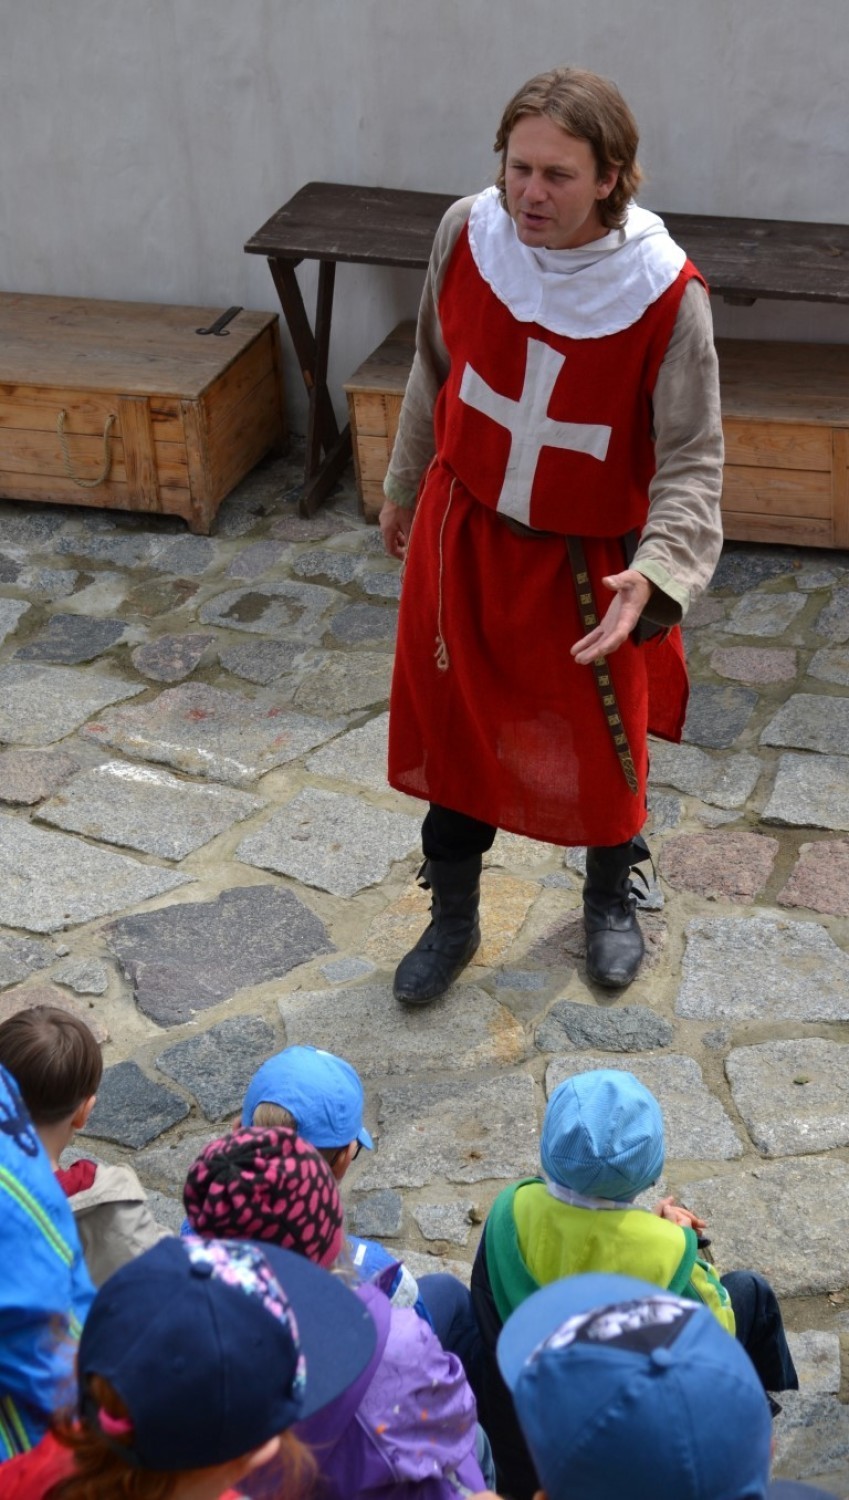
{"type": "Point", "coordinates": [266, 1185]}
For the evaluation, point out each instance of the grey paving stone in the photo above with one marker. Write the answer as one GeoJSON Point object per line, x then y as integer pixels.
{"type": "Point", "coordinates": [21, 956]}
{"type": "Point", "coordinates": [343, 970]}
{"type": "Point", "coordinates": [131, 1109]}
{"type": "Point", "coordinates": [335, 842]}
{"type": "Point", "coordinates": [188, 957]}
{"type": "Point", "coordinates": [745, 568]}
{"type": "Point", "coordinates": [376, 1216]}
{"type": "Point", "coordinates": [86, 976]}
{"type": "Point", "coordinates": [164, 1168]}
{"type": "Point", "coordinates": [358, 756]}
{"type": "Point", "coordinates": [445, 1221]}
{"type": "Point", "coordinates": [101, 597]}
{"type": "Point", "coordinates": [725, 781]}
{"type": "Point", "coordinates": [11, 612]}
{"type": "Point", "coordinates": [160, 596]}
{"type": "Point", "coordinates": [665, 810]}
{"type": "Point", "coordinates": [793, 1095]}
{"type": "Point", "coordinates": [426, 1265]}
{"type": "Point", "coordinates": [464, 1030]}
{"type": "Point", "coordinates": [808, 721]}
{"type": "Point", "coordinates": [524, 980]}
{"type": "Point", "coordinates": [716, 715]}
{"type": "Point", "coordinates": [39, 705]}
{"type": "Point", "coordinates": [256, 560]}
{"type": "Point", "coordinates": [457, 1131]}
{"type": "Point", "coordinates": [291, 610]}
{"type": "Point", "coordinates": [337, 567]}
{"type": "Point", "coordinates": [28, 526]}
{"type": "Point", "coordinates": [168, 1212]}
{"type": "Point", "coordinates": [816, 1356]}
{"type": "Point", "coordinates": [624, 1028]}
{"type": "Point", "coordinates": [831, 664]}
{"type": "Point", "coordinates": [218, 1065]}
{"type": "Point", "coordinates": [28, 775]}
{"type": "Point", "coordinates": [788, 1219]}
{"type": "Point", "coordinates": [49, 881]}
{"type": "Point", "coordinates": [43, 585]}
{"type": "Point", "coordinates": [812, 1441]}
{"type": "Point", "coordinates": [126, 551]}
{"type": "Point", "coordinates": [364, 624]}
{"type": "Point", "coordinates": [755, 664]}
{"type": "Point", "coordinates": [206, 732]}
{"type": "Point", "coordinates": [810, 792]}
{"type": "Point", "coordinates": [695, 1124]}
{"type": "Point", "coordinates": [340, 684]}
{"type": "Point", "coordinates": [816, 576]}
{"type": "Point", "coordinates": [380, 584]}
{"type": "Point", "coordinates": [765, 615]}
{"type": "Point", "coordinates": [720, 866]}
{"type": "Point", "coordinates": [171, 657]}
{"type": "Point", "coordinates": [754, 968]}
{"type": "Point", "coordinates": [69, 639]}
{"type": "Point", "coordinates": [833, 621]}
{"type": "Point", "coordinates": [25, 996]}
{"type": "Point", "coordinates": [261, 661]}
{"type": "Point", "coordinates": [146, 809]}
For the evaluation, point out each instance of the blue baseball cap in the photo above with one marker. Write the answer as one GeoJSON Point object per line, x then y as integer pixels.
{"type": "Point", "coordinates": [602, 1135]}
{"type": "Point", "coordinates": [322, 1092]}
{"type": "Point", "coordinates": [215, 1346]}
{"type": "Point", "coordinates": [621, 1388]}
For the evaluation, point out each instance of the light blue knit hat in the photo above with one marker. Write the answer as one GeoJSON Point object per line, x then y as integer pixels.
{"type": "Point", "coordinates": [602, 1135]}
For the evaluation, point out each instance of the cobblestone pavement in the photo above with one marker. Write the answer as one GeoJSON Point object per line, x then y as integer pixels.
{"type": "Point", "coordinates": [200, 854]}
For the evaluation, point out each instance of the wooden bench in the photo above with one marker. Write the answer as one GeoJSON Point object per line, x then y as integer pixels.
{"type": "Point", "coordinates": [742, 260]}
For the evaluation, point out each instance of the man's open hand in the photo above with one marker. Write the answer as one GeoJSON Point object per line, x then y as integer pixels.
{"type": "Point", "coordinates": [631, 593]}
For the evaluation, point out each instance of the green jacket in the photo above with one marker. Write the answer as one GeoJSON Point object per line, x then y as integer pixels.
{"type": "Point", "coordinates": [533, 1239]}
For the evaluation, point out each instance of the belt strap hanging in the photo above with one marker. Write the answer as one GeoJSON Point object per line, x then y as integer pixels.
{"type": "Point", "coordinates": [601, 671]}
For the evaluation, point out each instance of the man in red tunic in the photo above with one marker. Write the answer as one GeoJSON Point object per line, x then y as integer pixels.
{"type": "Point", "coordinates": [560, 447]}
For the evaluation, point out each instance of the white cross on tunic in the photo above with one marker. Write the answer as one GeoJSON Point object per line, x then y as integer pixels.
{"type": "Point", "coordinates": [531, 428]}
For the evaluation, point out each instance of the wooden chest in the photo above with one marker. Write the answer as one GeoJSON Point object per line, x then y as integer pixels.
{"type": "Point", "coordinates": [785, 414]}
{"type": "Point", "coordinates": [375, 392]}
{"type": "Point", "coordinates": [125, 405]}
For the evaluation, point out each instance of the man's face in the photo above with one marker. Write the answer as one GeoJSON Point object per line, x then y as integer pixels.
{"type": "Point", "coordinates": [552, 186]}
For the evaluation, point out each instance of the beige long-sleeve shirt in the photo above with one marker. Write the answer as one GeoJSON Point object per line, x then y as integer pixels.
{"type": "Point", "coordinates": [681, 541]}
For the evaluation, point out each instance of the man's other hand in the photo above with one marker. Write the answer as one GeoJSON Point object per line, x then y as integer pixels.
{"type": "Point", "coordinates": [631, 593]}
{"type": "Point", "coordinates": [395, 522]}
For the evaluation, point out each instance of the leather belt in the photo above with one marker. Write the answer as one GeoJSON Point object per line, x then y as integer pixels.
{"type": "Point", "coordinates": [601, 671]}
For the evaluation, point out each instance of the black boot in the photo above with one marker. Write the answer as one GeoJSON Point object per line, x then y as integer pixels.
{"type": "Point", "coordinates": [453, 935]}
{"type": "Point", "coordinates": [615, 944]}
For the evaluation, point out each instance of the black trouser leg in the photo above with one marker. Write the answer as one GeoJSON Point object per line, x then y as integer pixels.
{"type": "Point", "coordinates": [760, 1329]}
{"type": "Point", "coordinates": [454, 836]}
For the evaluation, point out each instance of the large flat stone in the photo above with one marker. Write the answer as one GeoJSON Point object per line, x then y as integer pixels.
{"type": "Point", "coordinates": [743, 568]}
{"type": "Point", "coordinates": [816, 1356]}
{"type": "Point", "coordinates": [21, 956]}
{"type": "Point", "coordinates": [164, 1168]}
{"type": "Point", "coordinates": [85, 976]}
{"type": "Point", "coordinates": [70, 639]}
{"type": "Point", "coordinates": [218, 1065]}
{"type": "Point", "coordinates": [831, 664]}
{"type": "Point", "coordinates": [465, 1029]}
{"type": "Point", "coordinates": [726, 866]}
{"type": "Point", "coordinates": [147, 809]}
{"type": "Point", "coordinates": [717, 715]}
{"type": "Point", "coordinates": [755, 968]}
{"type": "Point", "coordinates": [788, 1219]}
{"type": "Point", "coordinates": [49, 881]}
{"type": "Point", "coordinates": [39, 705]}
{"type": "Point", "coordinates": [28, 775]}
{"type": "Point", "coordinates": [364, 625]}
{"type": "Point", "coordinates": [810, 791]}
{"type": "Point", "coordinates": [812, 1440]}
{"type": "Point", "coordinates": [505, 903]}
{"type": "Point", "coordinates": [451, 1222]}
{"type": "Point", "coordinates": [188, 957]}
{"type": "Point", "coordinates": [754, 664]}
{"type": "Point", "coordinates": [207, 732]}
{"type": "Point", "coordinates": [170, 658]}
{"type": "Point", "coordinates": [457, 1131]}
{"type": "Point", "coordinates": [131, 1109]}
{"type": "Point", "coordinates": [695, 1124]}
{"type": "Point", "coordinates": [764, 614]}
{"type": "Point", "coordinates": [358, 756]}
{"type": "Point", "coordinates": [344, 683]}
{"type": "Point", "coordinates": [820, 878]}
{"type": "Point", "coordinates": [25, 996]}
{"type": "Point", "coordinates": [793, 1095]}
{"type": "Point", "coordinates": [255, 560]}
{"type": "Point", "coordinates": [11, 611]}
{"type": "Point", "coordinates": [261, 661]}
{"type": "Point", "coordinates": [724, 781]}
{"type": "Point", "coordinates": [809, 721]}
{"type": "Point", "coordinates": [292, 610]}
{"type": "Point", "coordinates": [337, 843]}
{"type": "Point", "coordinates": [833, 620]}
{"type": "Point", "coordinates": [622, 1028]}
{"type": "Point", "coordinates": [338, 568]}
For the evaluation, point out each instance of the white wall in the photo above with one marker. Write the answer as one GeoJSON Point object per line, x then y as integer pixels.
{"type": "Point", "coordinates": [143, 141]}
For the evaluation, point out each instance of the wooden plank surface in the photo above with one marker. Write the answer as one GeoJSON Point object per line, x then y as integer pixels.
{"type": "Point", "coordinates": [142, 348]}
{"type": "Point", "coordinates": [775, 258]}
{"type": "Point", "coordinates": [840, 486]}
{"type": "Point", "coordinates": [33, 452]}
{"type": "Point", "coordinates": [334, 221]}
{"type": "Point", "coordinates": [792, 531]}
{"type": "Point", "coordinates": [778, 492]}
{"type": "Point", "coordinates": [387, 370]}
{"type": "Point", "coordinates": [139, 452]}
{"type": "Point", "coordinates": [784, 382]}
{"type": "Point", "coordinates": [86, 414]}
{"type": "Point", "coordinates": [777, 445]}
{"type": "Point", "coordinates": [110, 494]}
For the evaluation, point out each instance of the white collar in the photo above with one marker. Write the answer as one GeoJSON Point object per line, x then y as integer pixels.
{"type": "Point", "coordinates": [587, 293]}
{"type": "Point", "coordinates": [578, 1200]}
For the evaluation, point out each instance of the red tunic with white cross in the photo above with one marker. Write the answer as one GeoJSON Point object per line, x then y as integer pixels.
{"type": "Point", "coordinates": [490, 715]}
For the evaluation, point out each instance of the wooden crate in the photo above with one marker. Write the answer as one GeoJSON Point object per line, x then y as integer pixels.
{"type": "Point", "coordinates": [190, 414]}
{"type": "Point", "coordinates": [375, 392]}
{"type": "Point", "coordinates": [785, 414]}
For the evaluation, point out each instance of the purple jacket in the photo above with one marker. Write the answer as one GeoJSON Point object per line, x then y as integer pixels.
{"type": "Point", "coordinates": [406, 1429]}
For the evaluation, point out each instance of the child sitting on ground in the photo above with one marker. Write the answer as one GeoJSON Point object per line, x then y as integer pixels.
{"type": "Point", "coordinates": [602, 1145]}
{"type": "Point", "coordinates": [57, 1065]}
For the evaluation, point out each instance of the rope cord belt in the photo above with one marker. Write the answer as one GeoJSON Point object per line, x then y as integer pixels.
{"type": "Point", "coordinates": [601, 671]}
